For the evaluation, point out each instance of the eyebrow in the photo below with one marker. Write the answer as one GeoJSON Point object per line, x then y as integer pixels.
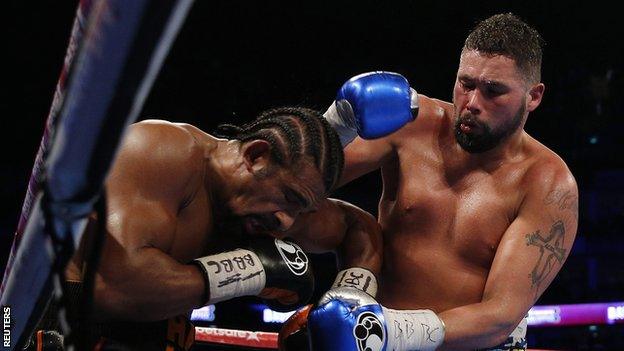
{"type": "Point", "coordinates": [494, 83]}
{"type": "Point", "coordinates": [488, 82]}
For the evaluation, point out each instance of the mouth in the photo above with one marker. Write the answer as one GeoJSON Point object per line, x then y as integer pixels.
{"type": "Point", "coordinates": [468, 125]}
{"type": "Point", "coordinates": [255, 224]}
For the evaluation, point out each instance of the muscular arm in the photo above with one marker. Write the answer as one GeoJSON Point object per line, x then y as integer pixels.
{"type": "Point", "coordinates": [364, 156]}
{"type": "Point", "coordinates": [151, 179]}
{"type": "Point", "coordinates": [337, 226]}
{"type": "Point", "coordinates": [528, 258]}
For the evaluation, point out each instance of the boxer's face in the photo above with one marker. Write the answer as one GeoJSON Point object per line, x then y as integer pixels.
{"type": "Point", "coordinates": [492, 100]}
{"type": "Point", "coordinates": [271, 197]}
{"type": "Point", "coordinates": [275, 199]}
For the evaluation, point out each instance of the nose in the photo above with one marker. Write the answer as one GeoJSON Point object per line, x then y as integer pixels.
{"type": "Point", "coordinates": [474, 102]}
{"type": "Point", "coordinates": [286, 219]}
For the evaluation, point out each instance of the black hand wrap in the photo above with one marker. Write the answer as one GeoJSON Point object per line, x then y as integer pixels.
{"type": "Point", "coordinates": [287, 267]}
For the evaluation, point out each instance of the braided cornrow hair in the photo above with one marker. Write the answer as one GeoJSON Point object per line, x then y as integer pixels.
{"type": "Point", "coordinates": [293, 133]}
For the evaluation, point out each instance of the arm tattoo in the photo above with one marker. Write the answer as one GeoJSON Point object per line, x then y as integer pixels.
{"type": "Point", "coordinates": [563, 200]}
{"type": "Point", "coordinates": [551, 251]}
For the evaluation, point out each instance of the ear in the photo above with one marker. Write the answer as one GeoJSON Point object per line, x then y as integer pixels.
{"type": "Point", "coordinates": [535, 96]}
{"type": "Point", "coordinates": [256, 155]}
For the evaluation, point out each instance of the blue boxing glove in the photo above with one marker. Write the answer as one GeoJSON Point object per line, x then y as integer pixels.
{"type": "Point", "coordinates": [352, 320]}
{"type": "Point", "coordinates": [372, 105]}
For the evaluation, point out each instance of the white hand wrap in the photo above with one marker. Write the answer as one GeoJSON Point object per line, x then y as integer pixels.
{"type": "Point", "coordinates": [413, 99]}
{"type": "Point", "coordinates": [232, 274]}
{"type": "Point", "coordinates": [358, 278]}
{"type": "Point", "coordinates": [341, 117]}
{"type": "Point", "coordinates": [413, 329]}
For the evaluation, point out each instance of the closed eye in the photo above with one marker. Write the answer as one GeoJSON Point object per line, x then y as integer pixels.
{"type": "Point", "coordinates": [494, 88]}
{"type": "Point", "coordinates": [466, 85]}
{"type": "Point", "coordinates": [494, 92]}
{"type": "Point", "coordinates": [296, 198]}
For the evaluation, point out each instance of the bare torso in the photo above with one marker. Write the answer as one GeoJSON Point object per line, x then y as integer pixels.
{"type": "Point", "coordinates": [443, 215]}
{"type": "Point", "coordinates": [194, 223]}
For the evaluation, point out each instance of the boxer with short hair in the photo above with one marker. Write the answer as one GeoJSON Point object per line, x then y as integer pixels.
{"type": "Point", "coordinates": [477, 216]}
{"type": "Point", "coordinates": [189, 219]}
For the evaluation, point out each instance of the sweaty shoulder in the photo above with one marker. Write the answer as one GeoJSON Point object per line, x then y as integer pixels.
{"type": "Point", "coordinates": [159, 140]}
{"type": "Point", "coordinates": [432, 110]}
{"type": "Point", "coordinates": [432, 114]}
{"type": "Point", "coordinates": [547, 171]}
{"type": "Point", "coordinates": [158, 155]}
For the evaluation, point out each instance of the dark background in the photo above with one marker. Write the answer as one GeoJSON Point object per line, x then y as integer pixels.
{"type": "Point", "coordinates": [234, 59]}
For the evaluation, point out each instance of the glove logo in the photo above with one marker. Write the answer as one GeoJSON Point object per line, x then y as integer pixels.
{"type": "Point", "coordinates": [369, 332]}
{"type": "Point", "coordinates": [295, 258]}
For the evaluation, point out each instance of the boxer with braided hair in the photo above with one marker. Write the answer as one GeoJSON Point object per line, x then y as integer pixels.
{"type": "Point", "coordinates": [194, 219]}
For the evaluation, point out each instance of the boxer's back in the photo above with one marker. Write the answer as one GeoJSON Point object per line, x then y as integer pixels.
{"type": "Point", "coordinates": [443, 214]}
